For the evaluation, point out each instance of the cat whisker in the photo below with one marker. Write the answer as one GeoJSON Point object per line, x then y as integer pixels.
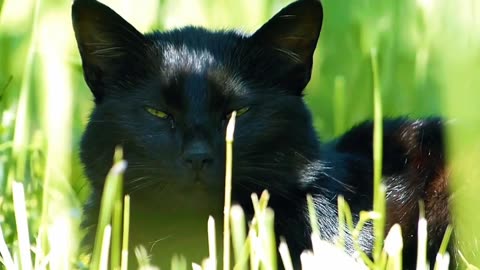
{"type": "Point", "coordinates": [140, 187]}
{"type": "Point", "coordinates": [141, 183]}
{"type": "Point", "coordinates": [136, 180]}
{"type": "Point", "coordinates": [154, 243]}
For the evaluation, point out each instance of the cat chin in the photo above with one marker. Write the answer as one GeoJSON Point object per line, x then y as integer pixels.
{"type": "Point", "coordinates": [185, 197]}
{"type": "Point", "coordinates": [173, 178]}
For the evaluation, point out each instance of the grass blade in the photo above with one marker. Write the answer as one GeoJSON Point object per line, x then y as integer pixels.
{"type": "Point", "coordinates": [228, 192]}
{"type": "Point", "coordinates": [4, 88]}
{"type": "Point", "coordinates": [107, 233]}
{"type": "Point", "coordinates": [339, 105]}
{"type": "Point", "coordinates": [393, 247]}
{"type": "Point", "coordinates": [22, 128]}
{"type": "Point", "coordinates": [22, 226]}
{"type": "Point", "coordinates": [443, 258]}
{"type": "Point", "coordinates": [5, 255]}
{"type": "Point", "coordinates": [117, 229]}
{"type": "Point", "coordinates": [114, 179]}
{"type": "Point", "coordinates": [312, 215]}
{"type": "Point", "coordinates": [1, 6]}
{"type": "Point", "coordinates": [178, 263]}
{"type": "Point", "coordinates": [143, 258]}
{"type": "Point", "coordinates": [442, 262]}
{"type": "Point", "coordinates": [116, 249]}
{"type": "Point", "coordinates": [378, 196]}
{"type": "Point", "coordinates": [212, 247]}
{"type": "Point", "coordinates": [242, 262]}
{"type": "Point", "coordinates": [446, 240]}
{"type": "Point", "coordinates": [342, 227]}
{"type": "Point", "coordinates": [126, 232]}
{"type": "Point", "coordinates": [254, 249]}
{"type": "Point", "coordinates": [422, 239]}
{"type": "Point", "coordinates": [267, 236]}
{"type": "Point", "coordinates": [285, 255]}
{"type": "Point", "coordinates": [238, 235]}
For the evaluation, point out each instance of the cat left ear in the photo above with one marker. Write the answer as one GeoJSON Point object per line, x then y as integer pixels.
{"type": "Point", "coordinates": [293, 33]}
{"type": "Point", "coordinates": [110, 47]}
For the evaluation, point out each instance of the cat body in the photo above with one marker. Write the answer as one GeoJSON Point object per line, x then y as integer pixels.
{"type": "Point", "coordinates": [166, 97]}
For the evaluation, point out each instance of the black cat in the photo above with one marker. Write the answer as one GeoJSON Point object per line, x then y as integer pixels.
{"type": "Point", "coordinates": [165, 98]}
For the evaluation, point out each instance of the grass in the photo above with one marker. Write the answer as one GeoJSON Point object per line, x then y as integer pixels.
{"type": "Point", "coordinates": [426, 63]}
{"type": "Point", "coordinates": [379, 189]}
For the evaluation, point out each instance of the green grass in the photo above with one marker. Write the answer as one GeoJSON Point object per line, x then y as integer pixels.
{"type": "Point", "coordinates": [426, 63]}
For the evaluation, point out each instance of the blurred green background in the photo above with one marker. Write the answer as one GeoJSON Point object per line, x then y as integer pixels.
{"type": "Point", "coordinates": [428, 53]}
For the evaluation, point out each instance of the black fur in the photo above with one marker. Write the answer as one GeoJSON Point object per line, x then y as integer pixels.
{"type": "Point", "coordinates": [176, 165]}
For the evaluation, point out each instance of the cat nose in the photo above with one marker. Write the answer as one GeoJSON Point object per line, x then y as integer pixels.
{"type": "Point", "coordinates": [198, 161]}
{"type": "Point", "coordinates": [197, 157]}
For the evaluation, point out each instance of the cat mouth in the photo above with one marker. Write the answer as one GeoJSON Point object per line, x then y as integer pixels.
{"type": "Point", "coordinates": [194, 183]}
{"type": "Point", "coordinates": [203, 180]}
{"type": "Point", "coordinates": [200, 180]}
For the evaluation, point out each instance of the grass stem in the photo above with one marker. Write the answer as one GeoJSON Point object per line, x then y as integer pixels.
{"type": "Point", "coordinates": [378, 195]}
{"type": "Point", "coordinates": [228, 191]}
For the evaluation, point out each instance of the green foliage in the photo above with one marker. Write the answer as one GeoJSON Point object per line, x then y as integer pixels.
{"type": "Point", "coordinates": [428, 55]}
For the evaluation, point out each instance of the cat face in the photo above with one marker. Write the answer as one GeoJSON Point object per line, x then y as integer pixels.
{"type": "Point", "coordinates": [166, 98]}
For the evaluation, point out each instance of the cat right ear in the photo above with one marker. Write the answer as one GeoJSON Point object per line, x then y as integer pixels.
{"type": "Point", "coordinates": [293, 34]}
{"type": "Point", "coordinates": [109, 46]}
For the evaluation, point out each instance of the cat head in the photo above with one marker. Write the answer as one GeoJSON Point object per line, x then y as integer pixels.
{"type": "Point", "coordinates": [165, 97]}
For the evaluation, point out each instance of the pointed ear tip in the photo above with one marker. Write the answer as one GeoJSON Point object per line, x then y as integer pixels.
{"type": "Point", "coordinates": [313, 3]}
{"type": "Point", "coordinates": [307, 8]}
{"type": "Point", "coordinates": [80, 4]}
{"type": "Point", "coordinates": [83, 11]}
{"type": "Point", "coordinates": [315, 6]}
{"type": "Point", "coordinates": [80, 7]}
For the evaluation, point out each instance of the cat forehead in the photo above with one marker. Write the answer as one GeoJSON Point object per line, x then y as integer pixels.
{"type": "Point", "coordinates": [196, 48]}
{"type": "Point", "coordinates": [185, 62]}
{"type": "Point", "coordinates": [182, 58]}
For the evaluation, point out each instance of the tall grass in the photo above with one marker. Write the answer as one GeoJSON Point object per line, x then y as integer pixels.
{"type": "Point", "coordinates": [379, 188]}
{"type": "Point", "coordinates": [427, 60]}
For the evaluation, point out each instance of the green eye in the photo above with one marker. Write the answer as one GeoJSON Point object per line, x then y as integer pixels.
{"type": "Point", "coordinates": [240, 112]}
{"type": "Point", "coordinates": [157, 113]}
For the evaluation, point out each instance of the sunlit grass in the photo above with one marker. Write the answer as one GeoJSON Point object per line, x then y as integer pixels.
{"type": "Point", "coordinates": [1, 6]}
{"type": "Point", "coordinates": [428, 58]}
{"type": "Point", "coordinates": [378, 187]}
{"type": "Point", "coordinates": [228, 190]}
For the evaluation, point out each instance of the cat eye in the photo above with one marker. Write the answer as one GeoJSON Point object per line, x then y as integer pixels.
{"type": "Point", "coordinates": [157, 113]}
{"type": "Point", "coordinates": [240, 112]}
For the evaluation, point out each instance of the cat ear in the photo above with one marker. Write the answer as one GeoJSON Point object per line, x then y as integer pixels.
{"type": "Point", "coordinates": [109, 46]}
{"type": "Point", "coordinates": [293, 33]}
